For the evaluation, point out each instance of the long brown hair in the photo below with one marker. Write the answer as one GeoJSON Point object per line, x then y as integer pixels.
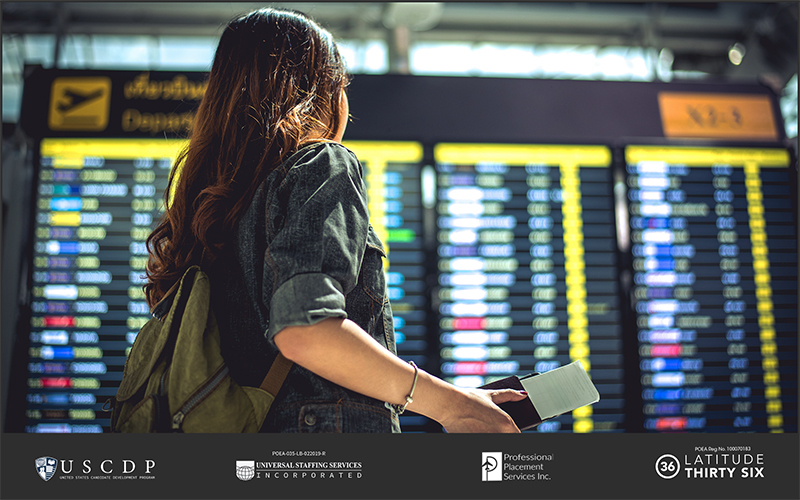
{"type": "Point", "coordinates": [276, 80]}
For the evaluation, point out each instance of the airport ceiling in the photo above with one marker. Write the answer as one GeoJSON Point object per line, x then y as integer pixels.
{"type": "Point", "coordinates": [693, 31]}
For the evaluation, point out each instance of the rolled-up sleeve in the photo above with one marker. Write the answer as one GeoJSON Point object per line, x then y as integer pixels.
{"type": "Point", "coordinates": [314, 259]}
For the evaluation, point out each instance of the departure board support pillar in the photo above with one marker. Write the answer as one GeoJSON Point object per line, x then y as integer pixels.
{"type": "Point", "coordinates": [577, 321]}
{"type": "Point", "coordinates": [766, 320]}
{"type": "Point", "coordinates": [375, 199]}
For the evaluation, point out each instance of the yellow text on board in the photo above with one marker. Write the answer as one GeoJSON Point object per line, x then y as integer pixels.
{"type": "Point", "coordinates": [718, 116]}
{"type": "Point", "coordinates": [79, 104]}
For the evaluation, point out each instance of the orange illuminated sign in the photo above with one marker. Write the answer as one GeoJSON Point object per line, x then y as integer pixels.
{"type": "Point", "coordinates": [719, 116]}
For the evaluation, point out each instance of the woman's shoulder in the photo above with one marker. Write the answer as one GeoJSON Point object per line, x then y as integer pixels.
{"type": "Point", "coordinates": [322, 148]}
{"type": "Point", "coordinates": [328, 156]}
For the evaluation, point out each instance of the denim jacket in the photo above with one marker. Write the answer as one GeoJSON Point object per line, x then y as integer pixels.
{"type": "Point", "coordinates": [304, 251]}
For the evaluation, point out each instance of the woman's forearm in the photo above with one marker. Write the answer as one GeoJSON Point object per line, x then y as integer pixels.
{"type": "Point", "coordinates": [340, 351]}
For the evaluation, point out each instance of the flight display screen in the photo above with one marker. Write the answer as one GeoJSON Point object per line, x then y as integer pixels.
{"type": "Point", "coordinates": [714, 242]}
{"type": "Point", "coordinates": [97, 201]}
{"type": "Point", "coordinates": [526, 274]}
{"type": "Point", "coordinates": [527, 260]}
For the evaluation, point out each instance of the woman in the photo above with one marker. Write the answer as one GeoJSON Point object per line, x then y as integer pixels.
{"type": "Point", "coordinates": [275, 208]}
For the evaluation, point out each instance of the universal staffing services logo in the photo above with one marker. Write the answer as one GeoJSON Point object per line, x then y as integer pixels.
{"type": "Point", "coordinates": [245, 469]}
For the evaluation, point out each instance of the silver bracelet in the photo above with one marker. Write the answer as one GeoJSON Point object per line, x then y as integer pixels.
{"type": "Point", "coordinates": [399, 409]}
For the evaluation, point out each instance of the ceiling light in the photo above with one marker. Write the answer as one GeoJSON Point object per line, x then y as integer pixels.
{"type": "Point", "coordinates": [736, 53]}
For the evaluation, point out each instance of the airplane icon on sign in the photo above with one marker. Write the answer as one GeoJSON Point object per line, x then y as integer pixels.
{"type": "Point", "coordinates": [79, 103]}
{"type": "Point", "coordinates": [75, 99]}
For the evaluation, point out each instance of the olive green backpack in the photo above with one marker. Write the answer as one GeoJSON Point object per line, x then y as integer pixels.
{"type": "Point", "coordinates": [175, 379]}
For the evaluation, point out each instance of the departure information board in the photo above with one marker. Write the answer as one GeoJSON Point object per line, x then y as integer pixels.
{"type": "Point", "coordinates": [715, 270]}
{"type": "Point", "coordinates": [98, 200]}
{"type": "Point", "coordinates": [527, 260]}
{"type": "Point", "coordinates": [97, 203]}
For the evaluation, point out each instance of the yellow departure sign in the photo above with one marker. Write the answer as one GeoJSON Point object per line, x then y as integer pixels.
{"type": "Point", "coordinates": [79, 104]}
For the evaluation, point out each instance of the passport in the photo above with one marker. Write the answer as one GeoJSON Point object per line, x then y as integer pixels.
{"type": "Point", "coordinates": [550, 394]}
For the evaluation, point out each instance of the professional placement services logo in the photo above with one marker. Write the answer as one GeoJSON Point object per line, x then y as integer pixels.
{"type": "Point", "coordinates": [492, 466]}
{"type": "Point", "coordinates": [46, 467]}
{"type": "Point", "coordinates": [502, 466]}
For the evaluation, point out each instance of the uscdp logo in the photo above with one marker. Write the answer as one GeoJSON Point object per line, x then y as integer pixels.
{"type": "Point", "coordinates": [245, 469]}
{"type": "Point", "coordinates": [46, 467]}
{"type": "Point", "coordinates": [492, 466]}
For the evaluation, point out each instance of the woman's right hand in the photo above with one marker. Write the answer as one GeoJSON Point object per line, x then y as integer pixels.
{"type": "Point", "coordinates": [477, 411]}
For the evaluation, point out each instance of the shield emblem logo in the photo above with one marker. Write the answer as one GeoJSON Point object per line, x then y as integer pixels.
{"type": "Point", "coordinates": [46, 467]}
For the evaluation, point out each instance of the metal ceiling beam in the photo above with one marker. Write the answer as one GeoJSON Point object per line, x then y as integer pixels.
{"type": "Point", "coordinates": [631, 38]}
{"type": "Point", "coordinates": [471, 20]}
{"type": "Point", "coordinates": [683, 28]}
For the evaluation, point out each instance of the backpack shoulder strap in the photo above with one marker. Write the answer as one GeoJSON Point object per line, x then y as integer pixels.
{"type": "Point", "coordinates": [276, 375]}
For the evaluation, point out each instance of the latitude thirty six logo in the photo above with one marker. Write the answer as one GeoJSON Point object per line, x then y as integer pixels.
{"type": "Point", "coordinates": [46, 467]}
